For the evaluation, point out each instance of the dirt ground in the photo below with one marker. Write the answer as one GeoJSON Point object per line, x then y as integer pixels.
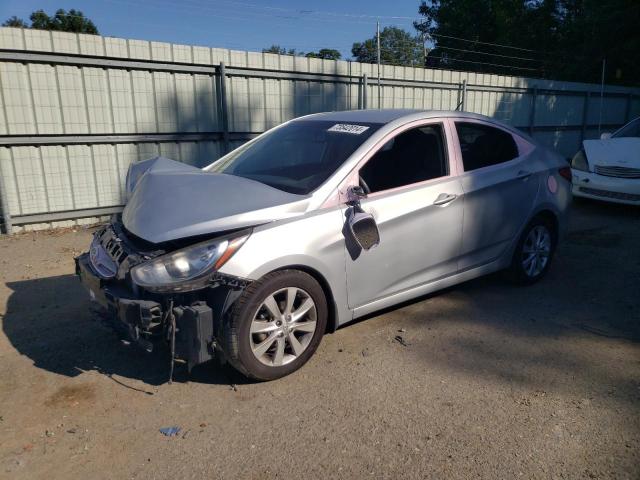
{"type": "Point", "coordinates": [494, 381]}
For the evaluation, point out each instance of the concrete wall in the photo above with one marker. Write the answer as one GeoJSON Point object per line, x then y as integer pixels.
{"type": "Point", "coordinates": [76, 110]}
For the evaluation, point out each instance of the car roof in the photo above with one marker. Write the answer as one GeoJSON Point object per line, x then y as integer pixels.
{"type": "Point", "coordinates": [393, 117]}
{"type": "Point", "coordinates": [389, 115]}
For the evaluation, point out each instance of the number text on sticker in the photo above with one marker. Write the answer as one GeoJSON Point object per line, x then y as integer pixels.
{"type": "Point", "coordinates": [346, 128]}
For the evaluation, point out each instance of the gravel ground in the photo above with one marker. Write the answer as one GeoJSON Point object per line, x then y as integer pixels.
{"type": "Point", "coordinates": [493, 381]}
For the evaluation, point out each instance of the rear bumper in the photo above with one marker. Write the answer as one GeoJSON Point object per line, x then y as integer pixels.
{"type": "Point", "coordinates": [145, 322]}
{"type": "Point", "coordinates": [610, 189]}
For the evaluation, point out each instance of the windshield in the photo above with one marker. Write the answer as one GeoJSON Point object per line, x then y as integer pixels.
{"type": "Point", "coordinates": [631, 129]}
{"type": "Point", "coordinates": [297, 157]}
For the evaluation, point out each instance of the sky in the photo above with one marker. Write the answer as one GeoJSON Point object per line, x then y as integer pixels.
{"type": "Point", "coordinates": [236, 24]}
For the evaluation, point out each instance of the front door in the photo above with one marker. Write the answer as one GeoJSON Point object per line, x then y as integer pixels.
{"type": "Point", "coordinates": [418, 207]}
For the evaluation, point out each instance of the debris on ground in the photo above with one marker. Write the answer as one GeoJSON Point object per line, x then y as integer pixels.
{"type": "Point", "coordinates": [365, 352]}
{"type": "Point", "coordinates": [170, 431]}
{"type": "Point", "coordinates": [402, 330]}
{"type": "Point", "coordinates": [401, 341]}
{"type": "Point", "coordinates": [233, 387]}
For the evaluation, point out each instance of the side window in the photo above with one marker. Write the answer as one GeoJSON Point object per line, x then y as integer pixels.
{"type": "Point", "coordinates": [413, 156]}
{"type": "Point", "coordinates": [483, 146]}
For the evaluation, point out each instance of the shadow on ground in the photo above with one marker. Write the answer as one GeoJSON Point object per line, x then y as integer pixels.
{"type": "Point", "coordinates": [52, 322]}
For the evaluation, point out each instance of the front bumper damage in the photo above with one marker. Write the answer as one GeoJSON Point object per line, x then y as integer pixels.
{"type": "Point", "coordinates": [188, 323]}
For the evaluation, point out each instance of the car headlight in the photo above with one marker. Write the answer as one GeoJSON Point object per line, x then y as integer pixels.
{"type": "Point", "coordinates": [579, 161]}
{"type": "Point", "coordinates": [189, 268]}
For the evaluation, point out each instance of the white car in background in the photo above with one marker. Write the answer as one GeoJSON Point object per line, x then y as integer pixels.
{"type": "Point", "coordinates": [609, 168]}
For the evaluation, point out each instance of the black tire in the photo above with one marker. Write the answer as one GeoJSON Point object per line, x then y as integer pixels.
{"type": "Point", "coordinates": [237, 338]}
{"type": "Point", "coordinates": [516, 272]}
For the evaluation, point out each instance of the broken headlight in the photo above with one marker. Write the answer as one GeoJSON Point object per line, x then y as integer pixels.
{"type": "Point", "coordinates": [188, 268]}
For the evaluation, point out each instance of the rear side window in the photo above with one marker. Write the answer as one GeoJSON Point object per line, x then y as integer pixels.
{"type": "Point", "coordinates": [412, 156]}
{"type": "Point", "coordinates": [483, 146]}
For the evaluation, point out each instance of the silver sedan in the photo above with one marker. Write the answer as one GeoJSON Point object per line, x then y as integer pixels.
{"type": "Point", "coordinates": [317, 222]}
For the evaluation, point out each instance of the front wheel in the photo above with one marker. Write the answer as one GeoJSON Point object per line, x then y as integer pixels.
{"type": "Point", "coordinates": [276, 325]}
{"type": "Point", "coordinates": [534, 252]}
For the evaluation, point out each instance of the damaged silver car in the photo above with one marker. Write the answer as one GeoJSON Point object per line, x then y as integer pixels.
{"type": "Point", "coordinates": [317, 222]}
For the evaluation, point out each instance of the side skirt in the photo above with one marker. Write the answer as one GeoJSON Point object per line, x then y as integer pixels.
{"type": "Point", "coordinates": [429, 288]}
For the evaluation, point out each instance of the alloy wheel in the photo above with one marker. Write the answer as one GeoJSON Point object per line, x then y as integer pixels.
{"type": "Point", "coordinates": [283, 326]}
{"type": "Point", "coordinates": [536, 251]}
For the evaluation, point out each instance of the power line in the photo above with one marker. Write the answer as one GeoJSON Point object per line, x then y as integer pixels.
{"type": "Point", "coordinates": [297, 15]}
{"type": "Point", "coordinates": [418, 45]}
{"type": "Point", "coordinates": [483, 63]}
{"type": "Point", "coordinates": [194, 5]}
{"type": "Point", "coordinates": [351, 15]}
{"type": "Point", "coordinates": [556, 57]}
{"type": "Point", "coordinates": [483, 43]}
{"type": "Point", "coordinates": [485, 53]}
{"type": "Point", "coordinates": [321, 12]}
{"type": "Point", "coordinates": [305, 15]}
{"type": "Point", "coordinates": [240, 17]}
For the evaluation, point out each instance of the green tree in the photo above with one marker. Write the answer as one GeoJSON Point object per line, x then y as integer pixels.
{"type": "Point", "coordinates": [63, 21]}
{"type": "Point", "coordinates": [397, 47]}
{"type": "Point", "coordinates": [277, 49]}
{"type": "Point", "coordinates": [563, 39]}
{"type": "Point", "coordinates": [15, 22]}
{"type": "Point", "coordinates": [325, 53]}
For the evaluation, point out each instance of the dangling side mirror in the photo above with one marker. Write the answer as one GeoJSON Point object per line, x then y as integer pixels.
{"type": "Point", "coordinates": [362, 226]}
{"type": "Point", "coordinates": [364, 229]}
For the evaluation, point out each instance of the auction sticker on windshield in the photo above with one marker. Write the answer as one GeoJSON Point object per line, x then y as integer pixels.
{"type": "Point", "coordinates": [346, 128]}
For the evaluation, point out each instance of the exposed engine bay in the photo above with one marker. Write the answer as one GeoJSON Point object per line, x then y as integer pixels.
{"type": "Point", "coordinates": [190, 322]}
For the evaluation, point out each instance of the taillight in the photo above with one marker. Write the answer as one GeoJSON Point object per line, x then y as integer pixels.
{"type": "Point", "coordinates": [565, 172]}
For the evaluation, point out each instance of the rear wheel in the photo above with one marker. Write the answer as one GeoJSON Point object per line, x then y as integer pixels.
{"type": "Point", "coordinates": [534, 251]}
{"type": "Point", "coordinates": [276, 325]}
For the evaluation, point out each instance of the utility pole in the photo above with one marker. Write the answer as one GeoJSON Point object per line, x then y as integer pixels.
{"type": "Point", "coordinates": [604, 63]}
{"type": "Point", "coordinates": [425, 37]}
{"type": "Point", "coordinates": [378, 42]}
{"type": "Point", "coordinates": [424, 50]}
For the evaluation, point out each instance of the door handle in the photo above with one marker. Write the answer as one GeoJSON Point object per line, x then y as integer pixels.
{"type": "Point", "coordinates": [523, 175]}
{"type": "Point", "coordinates": [444, 199]}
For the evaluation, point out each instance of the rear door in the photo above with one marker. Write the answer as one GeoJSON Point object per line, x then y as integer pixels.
{"type": "Point", "coordinates": [415, 198]}
{"type": "Point", "coordinates": [500, 183]}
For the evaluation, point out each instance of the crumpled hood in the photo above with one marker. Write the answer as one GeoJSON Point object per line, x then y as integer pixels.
{"type": "Point", "coordinates": [172, 200]}
{"type": "Point", "coordinates": [619, 152]}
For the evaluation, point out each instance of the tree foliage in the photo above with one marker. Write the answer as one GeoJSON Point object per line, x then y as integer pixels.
{"type": "Point", "coordinates": [277, 49]}
{"type": "Point", "coordinates": [397, 47]}
{"type": "Point", "coordinates": [15, 22]}
{"type": "Point", "coordinates": [564, 39]}
{"type": "Point", "coordinates": [63, 21]}
{"type": "Point", "coordinates": [325, 53]}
